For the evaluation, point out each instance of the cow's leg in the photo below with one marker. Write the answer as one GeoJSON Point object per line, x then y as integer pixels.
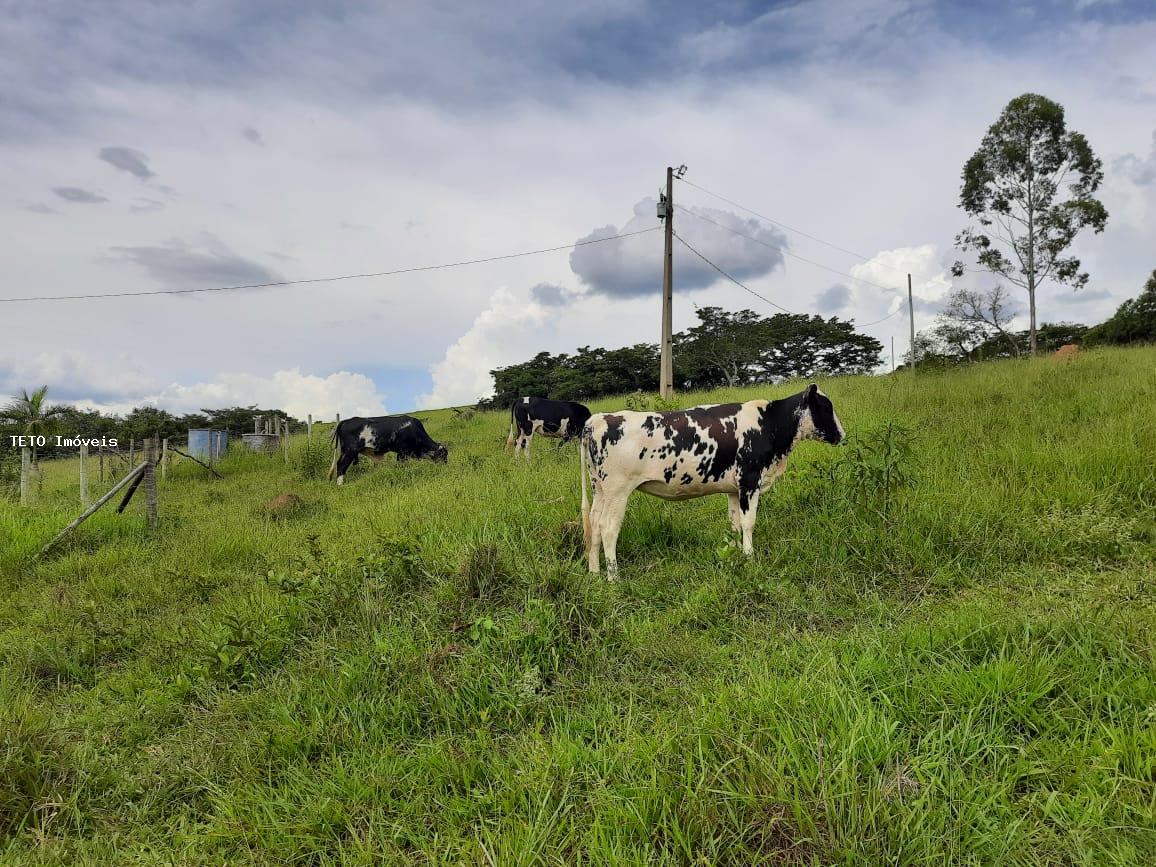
{"type": "Point", "coordinates": [525, 443]}
{"type": "Point", "coordinates": [610, 522]}
{"type": "Point", "coordinates": [348, 459]}
{"type": "Point", "coordinates": [747, 520]}
{"type": "Point", "coordinates": [733, 511]}
{"type": "Point", "coordinates": [595, 541]}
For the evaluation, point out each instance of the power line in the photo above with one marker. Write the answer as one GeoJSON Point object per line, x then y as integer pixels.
{"type": "Point", "coordinates": [738, 283]}
{"type": "Point", "coordinates": [278, 283]}
{"type": "Point", "coordinates": [742, 285]}
{"type": "Point", "coordinates": [818, 240]}
{"type": "Point", "coordinates": [786, 252]}
{"type": "Point", "coordinates": [777, 222]}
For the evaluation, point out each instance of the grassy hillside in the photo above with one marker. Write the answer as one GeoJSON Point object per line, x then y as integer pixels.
{"type": "Point", "coordinates": [942, 651]}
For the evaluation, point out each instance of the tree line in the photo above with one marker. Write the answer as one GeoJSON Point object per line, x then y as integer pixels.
{"type": "Point", "coordinates": [32, 413]}
{"type": "Point", "coordinates": [974, 325]}
{"type": "Point", "coordinates": [725, 349]}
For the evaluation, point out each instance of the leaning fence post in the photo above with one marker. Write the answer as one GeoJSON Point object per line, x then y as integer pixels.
{"type": "Point", "coordinates": [25, 472]}
{"type": "Point", "coordinates": [84, 502]}
{"type": "Point", "coordinates": [150, 479]}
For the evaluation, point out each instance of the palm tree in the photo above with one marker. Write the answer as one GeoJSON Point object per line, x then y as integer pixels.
{"type": "Point", "coordinates": [32, 414]}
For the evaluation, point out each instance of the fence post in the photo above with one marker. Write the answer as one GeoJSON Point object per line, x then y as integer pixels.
{"type": "Point", "coordinates": [131, 451]}
{"type": "Point", "coordinates": [309, 426]}
{"type": "Point", "coordinates": [149, 447]}
{"type": "Point", "coordinates": [285, 439]}
{"type": "Point", "coordinates": [25, 473]}
{"type": "Point", "coordinates": [84, 501]}
{"type": "Point", "coordinates": [164, 458]}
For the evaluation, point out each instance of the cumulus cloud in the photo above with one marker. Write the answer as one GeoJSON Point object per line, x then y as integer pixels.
{"type": "Point", "coordinates": [74, 376]}
{"type": "Point", "coordinates": [833, 299]}
{"type": "Point", "coordinates": [1140, 170]}
{"type": "Point", "coordinates": [299, 394]}
{"type": "Point", "coordinates": [116, 385]}
{"type": "Point", "coordinates": [129, 160]}
{"type": "Point", "coordinates": [76, 194]}
{"type": "Point", "coordinates": [630, 267]}
{"type": "Point", "coordinates": [552, 295]}
{"type": "Point", "coordinates": [180, 265]}
{"type": "Point", "coordinates": [495, 339]}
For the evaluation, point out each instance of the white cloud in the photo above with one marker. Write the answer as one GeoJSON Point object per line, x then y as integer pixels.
{"type": "Point", "coordinates": [116, 385]}
{"type": "Point", "coordinates": [500, 335]}
{"type": "Point", "coordinates": [299, 394]}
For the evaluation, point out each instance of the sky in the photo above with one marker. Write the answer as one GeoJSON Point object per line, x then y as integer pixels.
{"type": "Point", "coordinates": [154, 145]}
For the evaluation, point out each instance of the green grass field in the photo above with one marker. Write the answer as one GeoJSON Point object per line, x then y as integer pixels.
{"type": "Point", "coordinates": [942, 651]}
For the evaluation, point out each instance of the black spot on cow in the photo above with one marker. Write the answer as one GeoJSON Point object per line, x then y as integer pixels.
{"type": "Point", "coordinates": [686, 479]}
{"type": "Point", "coordinates": [613, 431]}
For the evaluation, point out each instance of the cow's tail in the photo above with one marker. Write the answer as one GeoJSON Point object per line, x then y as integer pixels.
{"type": "Point", "coordinates": [510, 438]}
{"type": "Point", "coordinates": [582, 481]}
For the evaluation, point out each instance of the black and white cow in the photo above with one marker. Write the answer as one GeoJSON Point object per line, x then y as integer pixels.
{"type": "Point", "coordinates": [550, 418]}
{"type": "Point", "coordinates": [375, 437]}
{"type": "Point", "coordinates": [737, 449]}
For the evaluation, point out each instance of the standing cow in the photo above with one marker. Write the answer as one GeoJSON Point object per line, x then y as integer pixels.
{"type": "Point", "coordinates": [737, 449]}
{"type": "Point", "coordinates": [550, 418]}
{"type": "Point", "coordinates": [375, 437]}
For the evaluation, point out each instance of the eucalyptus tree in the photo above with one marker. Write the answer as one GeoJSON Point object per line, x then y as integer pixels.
{"type": "Point", "coordinates": [1030, 189]}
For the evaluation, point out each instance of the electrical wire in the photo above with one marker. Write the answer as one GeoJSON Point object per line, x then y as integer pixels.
{"type": "Point", "coordinates": [279, 283]}
{"type": "Point", "coordinates": [738, 283]}
{"type": "Point", "coordinates": [785, 251]}
{"type": "Point", "coordinates": [814, 238]}
{"type": "Point", "coordinates": [747, 288]}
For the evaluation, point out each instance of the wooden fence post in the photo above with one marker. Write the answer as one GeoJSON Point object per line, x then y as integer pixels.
{"type": "Point", "coordinates": [100, 455]}
{"type": "Point", "coordinates": [25, 474]}
{"type": "Point", "coordinates": [150, 480]}
{"type": "Point", "coordinates": [131, 452]}
{"type": "Point", "coordinates": [309, 426]}
{"type": "Point", "coordinates": [164, 458]}
{"type": "Point", "coordinates": [285, 439]}
{"type": "Point", "coordinates": [84, 501]}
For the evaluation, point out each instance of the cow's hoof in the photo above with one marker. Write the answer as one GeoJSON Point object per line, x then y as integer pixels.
{"type": "Point", "coordinates": [340, 481]}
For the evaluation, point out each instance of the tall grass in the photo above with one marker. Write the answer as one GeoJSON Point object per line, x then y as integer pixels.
{"type": "Point", "coordinates": [941, 652]}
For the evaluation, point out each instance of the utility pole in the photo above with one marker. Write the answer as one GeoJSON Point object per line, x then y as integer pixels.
{"type": "Point", "coordinates": [666, 214]}
{"type": "Point", "coordinates": [911, 316]}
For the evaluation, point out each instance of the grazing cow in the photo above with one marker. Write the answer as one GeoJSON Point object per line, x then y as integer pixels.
{"type": "Point", "coordinates": [374, 437]}
{"type": "Point", "coordinates": [737, 449]}
{"type": "Point", "coordinates": [550, 418]}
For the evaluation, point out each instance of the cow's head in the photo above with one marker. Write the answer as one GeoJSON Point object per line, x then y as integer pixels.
{"type": "Point", "coordinates": [438, 453]}
{"type": "Point", "coordinates": [825, 425]}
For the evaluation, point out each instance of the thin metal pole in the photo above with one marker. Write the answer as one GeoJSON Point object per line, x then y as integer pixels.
{"type": "Point", "coordinates": [666, 366]}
